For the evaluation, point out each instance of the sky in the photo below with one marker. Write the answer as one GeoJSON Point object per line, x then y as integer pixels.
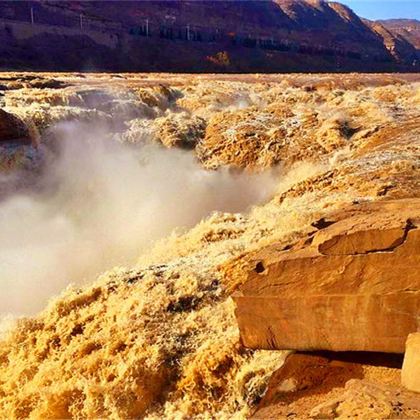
{"type": "Point", "coordinates": [385, 9]}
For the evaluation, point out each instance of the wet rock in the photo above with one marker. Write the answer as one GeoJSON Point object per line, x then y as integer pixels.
{"type": "Point", "coordinates": [93, 98]}
{"type": "Point", "coordinates": [184, 304]}
{"type": "Point", "coordinates": [13, 129]}
{"type": "Point", "coordinates": [48, 84]}
{"type": "Point", "coordinates": [322, 223]}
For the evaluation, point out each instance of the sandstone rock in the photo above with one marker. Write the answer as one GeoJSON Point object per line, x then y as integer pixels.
{"type": "Point", "coordinates": [324, 387]}
{"type": "Point", "coordinates": [367, 400]}
{"type": "Point", "coordinates": [410, 375]}
{"type": "Point", "coordinates": [13, 128]}
{"type": "Point", "coordinates": [354, 285]}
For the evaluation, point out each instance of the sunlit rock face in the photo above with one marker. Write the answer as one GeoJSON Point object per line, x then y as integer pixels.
{"type": "Point", "coordinates": [341, 289]}
{"type": "Point", "coordinates": [279, 156]}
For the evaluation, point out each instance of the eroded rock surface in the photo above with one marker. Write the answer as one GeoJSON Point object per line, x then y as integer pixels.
{"type": "Point", "coordinates": [341, 289]}
{"type": "Point", "coordinates": [327, 387]}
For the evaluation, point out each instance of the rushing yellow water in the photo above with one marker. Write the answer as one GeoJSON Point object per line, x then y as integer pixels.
{"type": "Point", "coordinates": [159, 339]}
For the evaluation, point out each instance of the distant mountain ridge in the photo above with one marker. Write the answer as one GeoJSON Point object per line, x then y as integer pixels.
{"type": "Point", "coordinates": [407, 28]}
{"type": "Point", "coordinates": [278, 35]}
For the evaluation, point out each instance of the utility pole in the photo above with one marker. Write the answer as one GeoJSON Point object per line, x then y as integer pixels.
{"type": "Point", "coordinates": [32, 16]}
{"type": "Point", "coordinates": [81, 22]}
{"type": "Point", "coordinates": [147, 27]}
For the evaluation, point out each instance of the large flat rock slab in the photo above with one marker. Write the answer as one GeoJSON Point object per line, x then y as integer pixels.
{"type": "Point", "coordinates": [354, 285]}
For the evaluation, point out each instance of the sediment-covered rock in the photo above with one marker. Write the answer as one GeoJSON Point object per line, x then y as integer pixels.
{"type": "Point", "coordinates": [340, 289]}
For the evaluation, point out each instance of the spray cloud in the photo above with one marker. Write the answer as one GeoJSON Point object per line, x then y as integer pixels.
{"type": "Point", "coordinates": [101, 203]}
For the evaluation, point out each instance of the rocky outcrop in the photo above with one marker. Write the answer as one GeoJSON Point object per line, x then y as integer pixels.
{"type": "Point", "coordinates": [13, 129]}
{"type": "Point", "coordinates": [354, 285]}
{"type": "Point", "coordinates": [327, 387]}
{"type": "Point", "coordinates": [399, 46]}
{"type": "Point", "coordinates": [407, 28]}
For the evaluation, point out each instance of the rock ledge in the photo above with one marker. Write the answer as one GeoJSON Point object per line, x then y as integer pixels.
{"type": "Point", "coordinates": [352, 286]}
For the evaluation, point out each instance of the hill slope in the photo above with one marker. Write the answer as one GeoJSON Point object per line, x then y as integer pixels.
{"type": "Point", "coordinates": [280, 35]}
{"type": "Point", "coordinates": [407, 28]}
